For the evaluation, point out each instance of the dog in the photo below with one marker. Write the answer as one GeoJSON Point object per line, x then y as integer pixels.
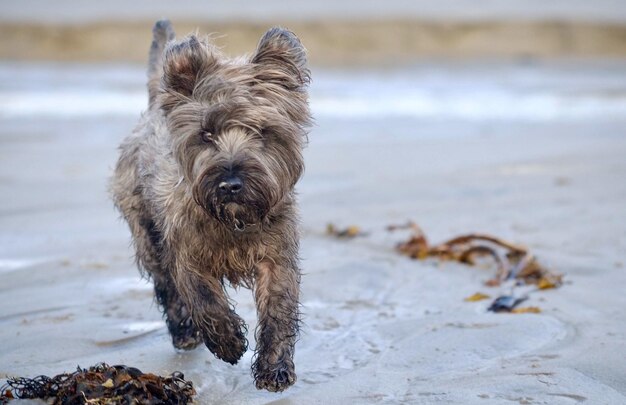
{"type": "Point", "coordinates": [206, 185]}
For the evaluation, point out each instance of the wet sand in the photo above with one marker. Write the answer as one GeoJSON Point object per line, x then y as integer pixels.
{"type": "Point", "coordinates": [379, 328]}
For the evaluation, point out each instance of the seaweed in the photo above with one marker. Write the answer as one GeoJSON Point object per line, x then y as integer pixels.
{"type": "Point", "coordinates": [349, 232]}
{"type": "Point", "coordinates": [513, 261]}
{"type": "Point", "coordinates": [506, 303]}
{"type": "Point", "coordinates": [101, 385]}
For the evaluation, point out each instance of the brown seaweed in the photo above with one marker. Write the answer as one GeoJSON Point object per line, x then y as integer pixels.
{"type": "Point", "coordinates": [102, 384]}
{"type": "Point", "coordinates": [349, 232]}
{"type": "Point", "coordinates": [512, 261]}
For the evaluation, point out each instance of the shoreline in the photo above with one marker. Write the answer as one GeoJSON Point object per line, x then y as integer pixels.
{"type": "Point", "coordinates": [331, 42]}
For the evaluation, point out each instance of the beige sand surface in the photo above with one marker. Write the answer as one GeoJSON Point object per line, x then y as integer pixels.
{"type": "Point", "coordinates": [331, 42]}
{"type": "Point", "coordinates": [335, 32]}
{"type": "Point", "coordinates": [379, 328]}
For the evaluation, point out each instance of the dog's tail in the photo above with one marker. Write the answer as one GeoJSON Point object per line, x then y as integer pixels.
{"type": "Point", "coordinates": [162, 33]}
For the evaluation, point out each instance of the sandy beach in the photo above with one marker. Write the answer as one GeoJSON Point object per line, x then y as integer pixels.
{"type": "Point", "coordinates": [532, 152]}
{"type": "Point", "coordinates": [347, 33]}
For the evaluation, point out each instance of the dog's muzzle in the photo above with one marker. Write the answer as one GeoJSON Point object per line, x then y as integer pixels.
{"type": "Point", "coordinates": [227, 199]}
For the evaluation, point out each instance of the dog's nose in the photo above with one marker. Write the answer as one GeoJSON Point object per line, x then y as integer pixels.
{"type": "Point", "coordinates": [231, 185]}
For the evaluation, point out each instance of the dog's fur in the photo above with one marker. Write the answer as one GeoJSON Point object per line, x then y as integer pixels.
{"type": "Point", "coordinates": [211, 118]}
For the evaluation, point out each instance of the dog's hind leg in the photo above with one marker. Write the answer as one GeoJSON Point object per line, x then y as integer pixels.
{"type": "Point", "coordinates": [184, 334]}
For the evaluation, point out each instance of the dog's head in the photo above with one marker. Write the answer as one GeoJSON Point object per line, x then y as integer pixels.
{"type": "Point", "coordinates": [238, 126]}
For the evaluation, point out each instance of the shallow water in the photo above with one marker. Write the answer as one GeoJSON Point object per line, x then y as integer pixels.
{"type": "Point", "coordinates": [531, 92]}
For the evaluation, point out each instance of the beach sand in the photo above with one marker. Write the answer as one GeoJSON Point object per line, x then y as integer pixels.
{"type": "Point", "coordinates": [346, 33]}
{"type": "Point", "coordinates": [532, 166]}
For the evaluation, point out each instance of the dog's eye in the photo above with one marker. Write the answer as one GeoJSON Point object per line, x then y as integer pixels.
{"type": "Point", "coordinates": [207, 137]}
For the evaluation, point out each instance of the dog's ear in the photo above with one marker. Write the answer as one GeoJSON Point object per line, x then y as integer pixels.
{"type": "Point", "coordinates": [281, 59]}
{"type": "Point", "coordinates": [184, 63]}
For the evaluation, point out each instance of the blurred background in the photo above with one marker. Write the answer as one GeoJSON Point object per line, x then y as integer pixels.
{"type": "Point", "coordinates": [450, 59]}
{"type": "Point", "coordinates": [405, 71]}
{"type": "Point", "coordinates": [501, 116]}
{"type": "Point", "coordinates": [336, 33]}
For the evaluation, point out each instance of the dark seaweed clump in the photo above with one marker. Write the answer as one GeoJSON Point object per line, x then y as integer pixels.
{"type": "Point", "coordinates": [102, 384]}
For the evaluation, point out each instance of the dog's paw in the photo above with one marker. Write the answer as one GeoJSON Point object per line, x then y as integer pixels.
{"type": "Point", "coordinates": [227, 348]}
{"type": "Point", "coordinates": [185, 335]}
{"type": "Point", "coordinates": [276, 377]}
{"type": "Point", "coordinates": [187, 341]}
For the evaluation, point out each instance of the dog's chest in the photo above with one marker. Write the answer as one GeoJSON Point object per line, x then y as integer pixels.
{"type": "Point", "coordinates": [232, 260]}
{"type": "Point", "coordinates": [238, 265]}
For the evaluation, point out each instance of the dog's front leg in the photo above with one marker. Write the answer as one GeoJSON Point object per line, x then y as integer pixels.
{"type": "Point", "coordinates": [276, 292]}
{"type": "Point", "coordinates": [222, 329]}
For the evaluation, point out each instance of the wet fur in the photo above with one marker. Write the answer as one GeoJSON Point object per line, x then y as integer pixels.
{"type": "Point", "coordinates": [209, 116]}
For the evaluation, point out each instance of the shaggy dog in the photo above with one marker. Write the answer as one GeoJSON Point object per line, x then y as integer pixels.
{"type": "Point", "coordinates": [206, 184]}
